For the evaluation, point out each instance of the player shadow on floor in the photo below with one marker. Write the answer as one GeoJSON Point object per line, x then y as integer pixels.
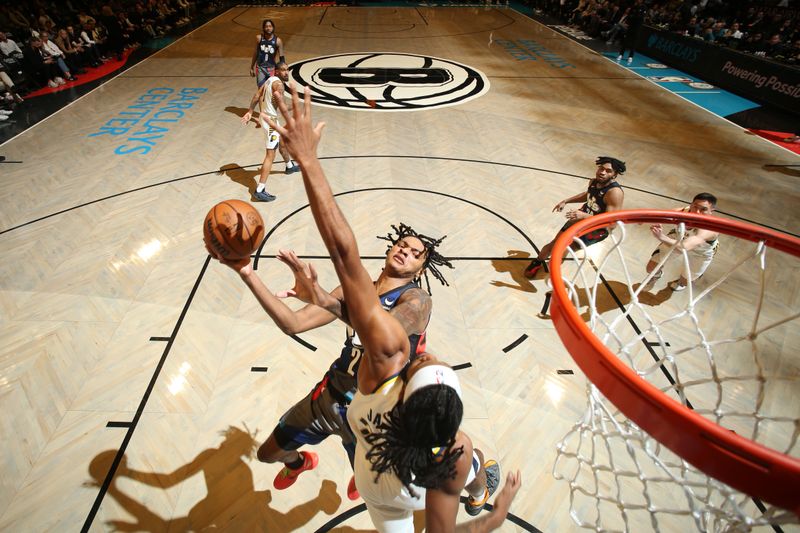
{"type": "Point", "coordinates": [621, 296]}
{"type": "Point", "coordinates": [240, 111]}
{"type": "Point", "coordinates": [242, 176]}
{"type": "Point", "coordinates": [607, 302]}
{"type": "Point", "coordinates": [514, 265]}
{"type": "Point", "coordinates": [231, 502]}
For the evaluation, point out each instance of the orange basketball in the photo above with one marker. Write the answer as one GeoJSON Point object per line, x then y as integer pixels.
{"type": "Point", "coordinates": [233, 229]}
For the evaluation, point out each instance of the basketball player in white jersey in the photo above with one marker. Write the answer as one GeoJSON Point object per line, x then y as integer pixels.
{"type": "Point", "coordinates": [410, 452]}
{"type": "Point", "coordinates": [701, 244]}
{"type": "Point", "coordinates": [266, 96]}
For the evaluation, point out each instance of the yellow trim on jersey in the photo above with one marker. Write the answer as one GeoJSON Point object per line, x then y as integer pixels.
{"type": "Point", "coordinates": [390, 380]}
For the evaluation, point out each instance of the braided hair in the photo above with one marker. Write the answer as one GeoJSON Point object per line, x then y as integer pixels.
{"type": "Point", "coordinates": [410, 434]}
{"type": "Point", "coordinates": [433, 259]}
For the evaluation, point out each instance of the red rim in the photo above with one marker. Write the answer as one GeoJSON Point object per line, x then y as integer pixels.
{"type": "Point", "coordinates": [737, 461]}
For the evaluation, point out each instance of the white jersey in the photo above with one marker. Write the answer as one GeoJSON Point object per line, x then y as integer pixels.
{"type": "Point", "coordinates": [705, 249]}
{"type": "Point", "coordinates": [267, 102]}
{"type": "Point", "coordinates": [365, 413]}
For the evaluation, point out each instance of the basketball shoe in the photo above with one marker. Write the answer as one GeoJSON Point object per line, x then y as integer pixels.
{"type": "Point", "coordinates": [533, 267]}
{"type": "Point", "coordinates": [286, 477]}
{"type": "Point", "coordinates": [492, 481]}
{"type": "Point", "coordinates": [263, 196]}
{"type": "Point", "coordinates": [352, 491]}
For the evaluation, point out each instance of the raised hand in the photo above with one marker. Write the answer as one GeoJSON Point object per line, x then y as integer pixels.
{"type": "Point", "coordinates": [657, 231]}
{"type": "Point", "coordinates": [305, 278]}
{"type": "Point", "coordinates": [241, 266]}
{"type": "Point", "coordinates": [502, 502]}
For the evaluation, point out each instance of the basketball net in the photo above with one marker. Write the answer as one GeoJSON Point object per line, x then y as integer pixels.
{"type": "Point", "coordinates": [741, 373]}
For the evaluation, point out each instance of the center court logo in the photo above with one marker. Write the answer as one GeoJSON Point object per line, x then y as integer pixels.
{"type": "Point", "coordinates": [388, 81]}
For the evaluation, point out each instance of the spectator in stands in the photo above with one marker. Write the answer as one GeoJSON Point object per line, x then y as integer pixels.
{"type": "Point", "coordinates": [19, 22]}
{"type": "Point", "coordinates": [635, 21]}
{"type": "Point", "coordinates": [774, 47]}
{"type": "Point", "coordinates": [733, 36]}
{"type": "Point", "coordinates": [8, 47]}
{"type": "Point", "coordinates": [91, 37]}
{"type": "Point", "coordinates": [115, 36]}
{"type": "Point", "coordinates": [40, 66]}
{"type": "Point", "coordinates": [45, 22]}
{"type": "Point", "coordinates": [50, 48]}
{"type": "Point", "coordinates": [92, 54]}
{"type": "Point", "coordinates": [73, 52]}
{"type": "Point", "coordinates": [7, 87]}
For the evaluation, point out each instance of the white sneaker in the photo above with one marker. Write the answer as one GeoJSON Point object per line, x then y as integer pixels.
{"type": "Point", "coordinates": [619, 57]}
{"type": "Point", "coordinates": [60, 80]}
{"type": "Point", "coordinates": [630, 60]}
{"type": "Point", "coordinates": [675, 286]}
{"type": "Point", "coordinates": [52, 84]}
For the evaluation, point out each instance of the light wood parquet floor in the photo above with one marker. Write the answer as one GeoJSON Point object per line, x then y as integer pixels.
{"type": "Point", "coordinates": [117, 332]}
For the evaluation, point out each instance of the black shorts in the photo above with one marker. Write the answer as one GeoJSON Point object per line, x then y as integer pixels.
{"type": "Point", "coordinates": [593, 237]}
{"type": "Point", "coordinates": [320, 414]}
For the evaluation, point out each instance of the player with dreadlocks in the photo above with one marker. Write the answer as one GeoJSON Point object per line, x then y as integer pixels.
{"type": "Point", "coordinates": [322, 412]}
{"type": "Point", "coordinates": [429, 389]}
{"type": "Point", "coordinates": [603, 195]}
{"type": "Point", "coordinates": [433, 259]}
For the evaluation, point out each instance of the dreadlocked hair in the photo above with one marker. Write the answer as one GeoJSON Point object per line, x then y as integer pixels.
{"type": "Point", "coordinates": [410, 434]}
{"type": "Point", "coordinates": [433, 259]}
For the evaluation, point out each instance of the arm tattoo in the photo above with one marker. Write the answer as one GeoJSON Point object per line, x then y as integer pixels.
{"type": "Point", "coordinates": [413, 311]}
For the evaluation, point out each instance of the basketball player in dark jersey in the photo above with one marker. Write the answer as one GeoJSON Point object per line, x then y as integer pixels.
{"type": "Point", "coordinates": [322, 412]}
{"type": "Point", "coordinates": [603, 195]}
{"type": "Point", "coordinates": [268, 52]}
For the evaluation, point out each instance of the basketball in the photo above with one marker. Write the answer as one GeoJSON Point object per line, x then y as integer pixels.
{"type": "Point", "coordinates": [233, 229]}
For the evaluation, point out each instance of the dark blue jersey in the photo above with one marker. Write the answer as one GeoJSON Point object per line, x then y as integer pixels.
{"type": "Point", "coordinates": [267, 52]}
{"type": "Point", "coordinates": [341, 376]}
{"type": "Point", "coordinates": [595, 198]}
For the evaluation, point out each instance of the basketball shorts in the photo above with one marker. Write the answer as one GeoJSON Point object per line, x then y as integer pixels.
{"type": "Point", "coordinates": [273, 137]}
{"type": "Point", "coordinates": [593, 237]}
{"type": "Point", "coordinates": [394, 517]}
{"type": "Point", "coordinates": [263, 72]}
{"type": "Point", "coordinates": [698, 264]}
{"type": "Point", "coordinates": [320, 414]}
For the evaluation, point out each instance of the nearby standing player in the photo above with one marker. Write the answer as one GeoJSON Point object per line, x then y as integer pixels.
{"type": "Point", "coordinates": [266, 97]}
{"type": "Point", "coordinates": [268, 53]}
{"type": "Point", "coordinates": [604, 195]}
{"type": "Point", "coordinates": [701, 244]}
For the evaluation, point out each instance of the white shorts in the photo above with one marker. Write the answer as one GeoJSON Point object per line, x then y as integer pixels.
{"type": "Point", "coordinates": [273, 137]}
{"type": "Point", "coordinates": [698, 264]}
{"type": "Point", "coordinates": [398, 516]}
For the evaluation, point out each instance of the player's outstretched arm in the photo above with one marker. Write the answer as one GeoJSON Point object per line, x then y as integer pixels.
{"type": "Point", "coordinates": [380, 334]}
{"type": "Point", "coordinates": [288, 320]}
{"type": "Point", "coordinates": [253, 101]}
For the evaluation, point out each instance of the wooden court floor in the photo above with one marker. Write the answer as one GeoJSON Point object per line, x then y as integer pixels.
{"type": "Point", "coordinates": [125, 349]}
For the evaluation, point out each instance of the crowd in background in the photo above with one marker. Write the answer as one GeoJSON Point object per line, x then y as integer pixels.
{"type": "Point", "coordinates": [765, 29]}
{"type": "Point", "coordinates": [47, 43]}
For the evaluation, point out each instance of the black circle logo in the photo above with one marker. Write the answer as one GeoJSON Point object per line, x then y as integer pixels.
{"type": "Point", "coordinates": [388, 81]}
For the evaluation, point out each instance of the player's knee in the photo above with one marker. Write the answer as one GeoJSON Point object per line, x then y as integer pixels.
{"type": "Point", "coordinates": [269, 452]}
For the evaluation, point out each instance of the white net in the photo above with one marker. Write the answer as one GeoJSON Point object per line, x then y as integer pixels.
{"type": "Point", "coordinates": [726, 347]}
